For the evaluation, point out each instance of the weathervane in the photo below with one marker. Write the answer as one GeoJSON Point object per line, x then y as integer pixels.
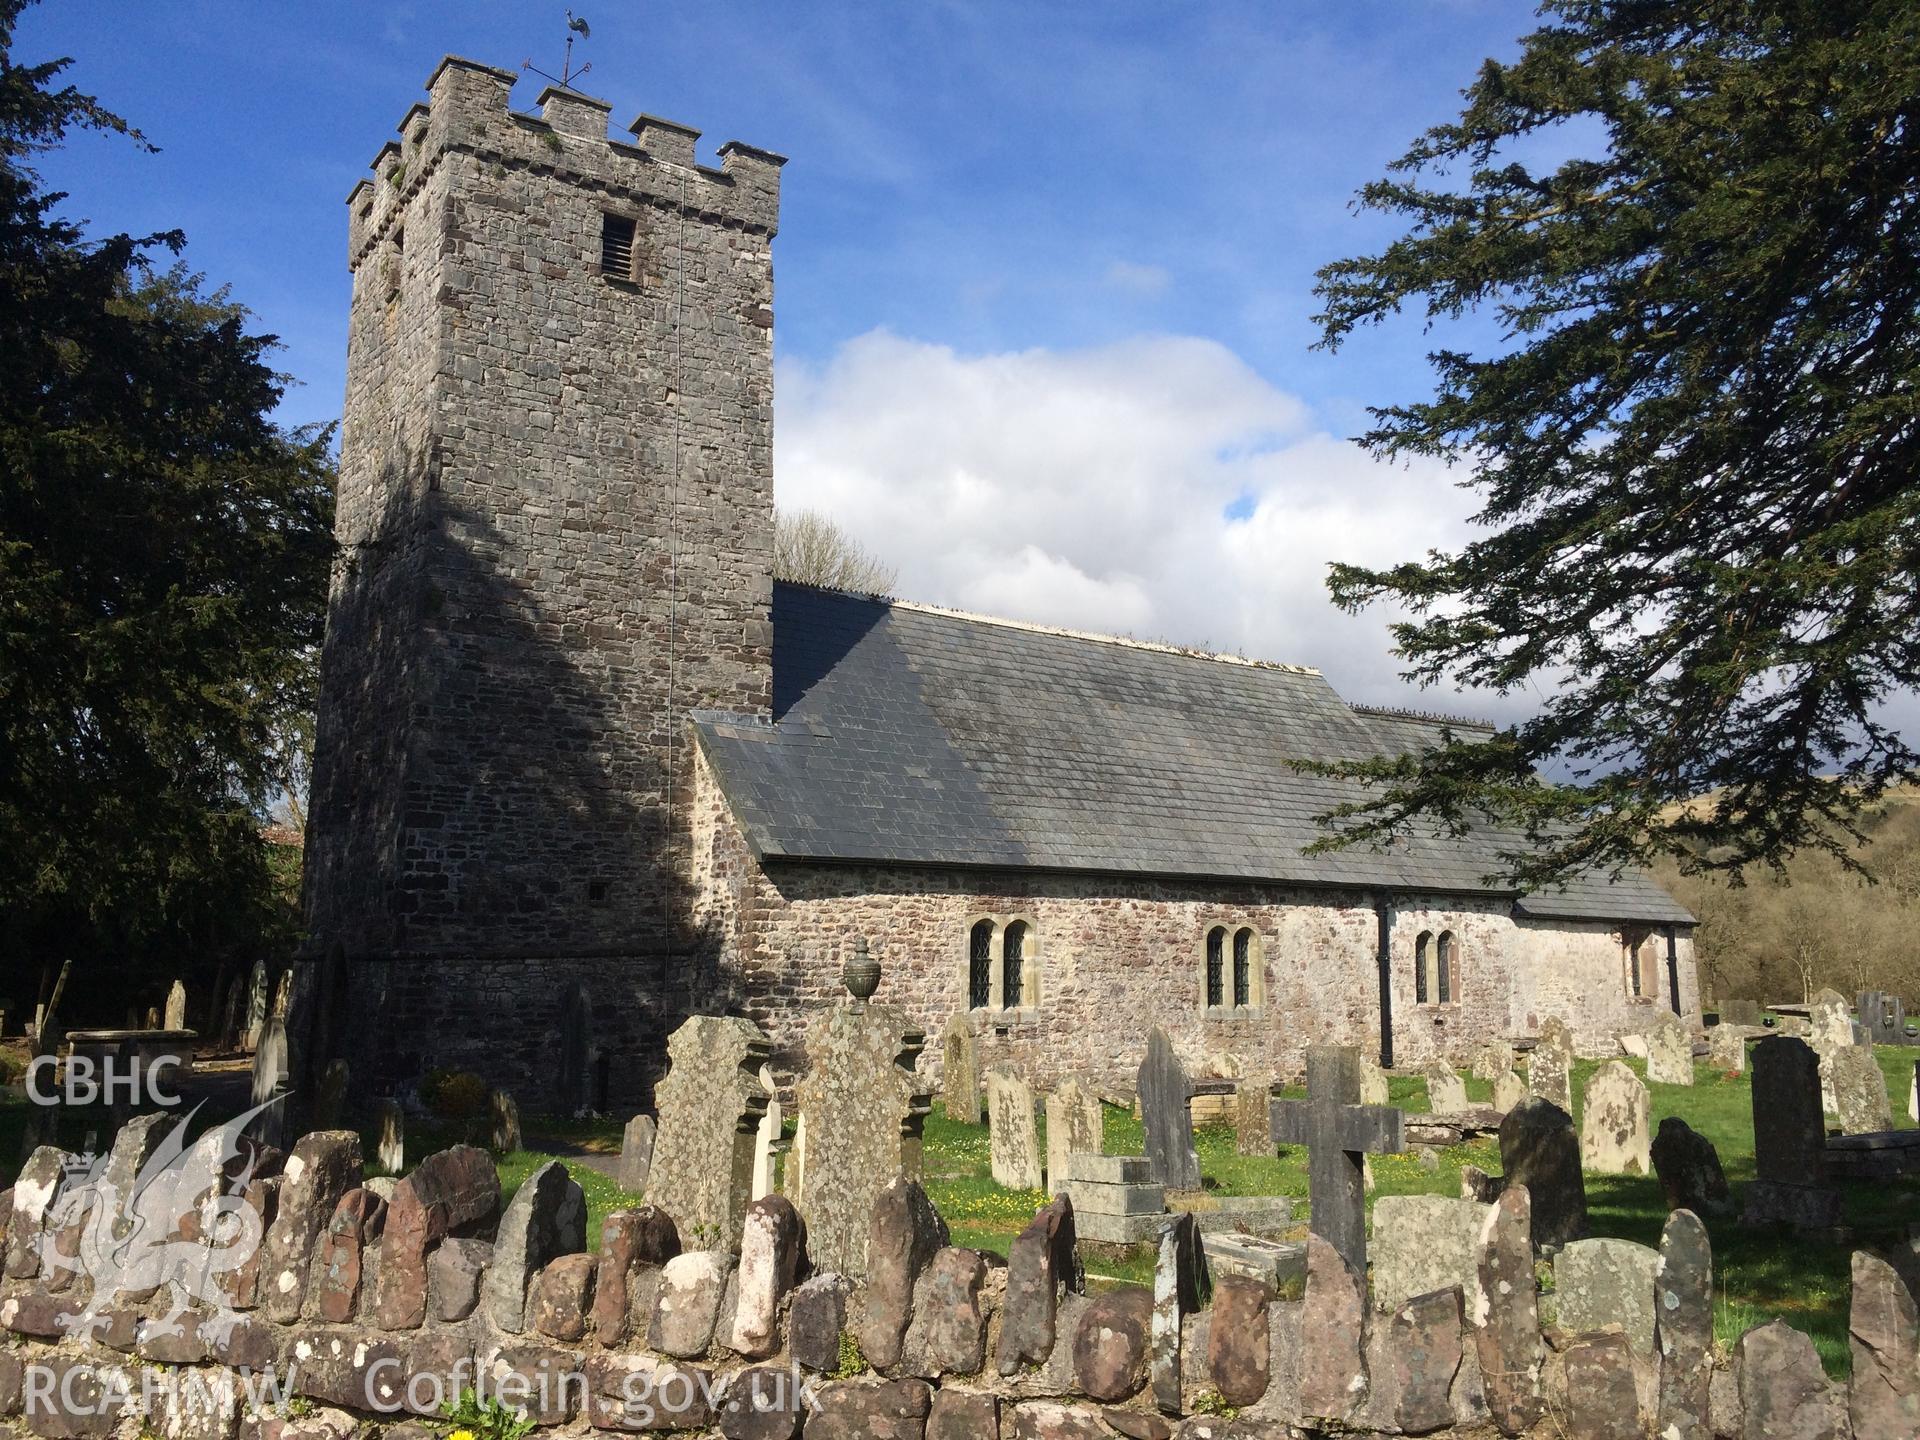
{"type": "Point", "coordinates": [567, 75]}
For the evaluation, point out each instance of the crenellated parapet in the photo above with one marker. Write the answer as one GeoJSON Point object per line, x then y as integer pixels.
{"type": "Point", "coordinates": [469, 112]}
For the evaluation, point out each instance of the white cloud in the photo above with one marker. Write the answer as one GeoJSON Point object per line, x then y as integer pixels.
{"type": "Point", "coordinates": [1138, 279]}
{"type": "Point", "coordinates": [1157, 487]}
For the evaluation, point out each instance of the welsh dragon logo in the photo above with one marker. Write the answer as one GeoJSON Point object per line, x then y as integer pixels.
{"type": "Point", "coordinates": [181, 1222]}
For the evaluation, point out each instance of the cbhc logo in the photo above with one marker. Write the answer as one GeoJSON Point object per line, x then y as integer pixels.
{"type": "Point", "coordinates": [121, 1079]}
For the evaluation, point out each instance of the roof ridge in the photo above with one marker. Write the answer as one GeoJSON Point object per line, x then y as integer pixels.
{"type": "Point", "coordinates": [1407, 712]}
{"type": "Point", "coordinates": [1034, 627]}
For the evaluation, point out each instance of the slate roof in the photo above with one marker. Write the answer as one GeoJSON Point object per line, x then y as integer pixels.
{"type": "Point", "coordinates": [914, 736]}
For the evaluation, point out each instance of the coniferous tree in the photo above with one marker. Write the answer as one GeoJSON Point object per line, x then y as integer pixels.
{"type": "Point", "coordinates": [1695, 436]}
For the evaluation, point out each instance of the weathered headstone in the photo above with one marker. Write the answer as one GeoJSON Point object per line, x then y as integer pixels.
{"type": "Point", "coordinates": [1830, 1021]}
{"type": "Point", "coordinates": [1859, 1090]}
{"type": "Point", "coordinates": [1689, 1169]}
{"type": "Point", "coordinates": [1076, 1125]}
{"type": "Point", "coordinates": [1253, 1117]}
{"type": "Point", "coordinates": [1504, 1320]}
{"type": "Point", "coordinates": [256, 1013]}
{"type": "Point", "coordinates": [176, 1017]}
{"type": "Point", "coordinates": [1742, 1012]}
{"type": "Point", "coordinates": [710, 1106]}
{"type": "Point", "coordinates": [1538, 1150]}
{"type": "Point", "coordinates": [1669, 1051]}
{"type": "Point", "coordinates": [636, 1154]}
{"type": "Point", "coordinates": [1013, 1147]}
{"type": "Point", "coordinates": [862, 1106]}
{"type": "Point", "coordinates": [1615, 1123]}
{"type": "Point", "coordinates": [1446, 1092]}
{"type": "Point", "coordinates": [1789, 1139]}
{"type": "Point", "coordinates": [1165, 1097]}
{"type": "Point", "coordinates": [1373, 1081]}
{"type": "Point", "coordinates": [270, 1085]}
{"type": "Point", "coordinates": [1423, 1243]}
{"type": "Point", "coordinates": [1550, 1065]}
{"type": "Point", "coordinates": [960, 1071]}
{"type": "Point", "coordinates": [391, 1151]}
{"type": "Point", "coordinates": [1508, 1091]}
{"type": "Point", "coordinates": [503, 1123]}
{"type": "Point", "coordinates": [1604, 1282]}
{"type": "Point", "coordinates": [1493, 1059]}
{"type": "Point", "coordinates": [330, 1105]}
{"type": "Point", "coordinates": [766, 1139]}
{"type": "Point", "coordinates": [1727, 1048]}
{"type": "Point", "coordinates": [1339, 1133]}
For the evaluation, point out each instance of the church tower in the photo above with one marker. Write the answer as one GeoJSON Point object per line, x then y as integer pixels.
{"type": "Point", "coordinates": [555, 537]}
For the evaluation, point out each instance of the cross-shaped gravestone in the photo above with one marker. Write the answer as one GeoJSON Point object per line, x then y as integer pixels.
{"type": "Point", "coordinates": [1338, 1132]}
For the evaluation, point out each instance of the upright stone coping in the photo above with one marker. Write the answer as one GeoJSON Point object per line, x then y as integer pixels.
{"type": "Point", "coordinates": [710, 1105]}
{"type": "Point", "coordinates": [1076, 1124]}
{"type": "Point", "coordinates": [1423, 1243]}
{"type": "Point", "coordinates": [1884, 1337]}
{"type": "Point", "coordinates": [1013, 1145]}
{"type": "Point", "coordinates": [863, 1107]}
{"type": "Point", "coordinates": [1683, 1327]}
{"type": "Point", "coordinates": [1615, 1123]}
{"type": "Point", "coordinates": [960, 1070]}
{"type": "Point", "coordinates": [546, 1218]}
{"type": "Point", "coordinates": [1783, 1390]}
{"type": "Point", "coordinates": [1504, 1320]}
{"type": "Point", "coordinates": [1606, 1282]}
{"type": "Point", "coordinates": [1166, 1095]}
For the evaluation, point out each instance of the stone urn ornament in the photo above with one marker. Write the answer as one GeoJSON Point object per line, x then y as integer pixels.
{"type": "Point", "coordinates": [861, 975]}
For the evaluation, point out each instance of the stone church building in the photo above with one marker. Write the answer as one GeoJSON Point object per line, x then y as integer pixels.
{"type": "Point", "coordinates": [584, 768]}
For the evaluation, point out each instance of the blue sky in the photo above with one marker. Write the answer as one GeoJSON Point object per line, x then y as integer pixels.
{"type": "Point", "coordinates": [1046, 262]}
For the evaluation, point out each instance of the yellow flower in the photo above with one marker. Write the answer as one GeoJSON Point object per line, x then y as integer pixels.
{"type": "Point", "coordinates": [461, 1435]}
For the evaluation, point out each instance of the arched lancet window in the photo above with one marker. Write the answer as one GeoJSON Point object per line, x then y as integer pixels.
{"type": "Point", "coordinates": [1216, 967]}
{"type": "Point", "coordinates": [1445, 950]}
{"type": "Point", "coordinates": [1014, 965]}
{"type": "Point", "coordinates": [1643, 975]}
{"type": "Point", "coordinates": [1421, 946]}
{"type": "Point", "coordinates": [980, 966]}
{"type": "Point", "coordinates": [1243, 968]}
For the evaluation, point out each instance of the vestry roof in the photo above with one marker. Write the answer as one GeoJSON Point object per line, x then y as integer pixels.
{"type": "Point", "coordinates": [908, 735]}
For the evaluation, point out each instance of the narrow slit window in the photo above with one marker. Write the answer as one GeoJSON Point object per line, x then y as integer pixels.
{"type": "Point", "coordinates": [980, 966]}
{"type": "Point", "coordinates": [1216, 967]}
{"type": "Point", "coordinates": [616, 246]}
{"type": "Point", "coordinates": [1014, 959]}
{"type": "Point", "coordinates": [1445, 951]}
{"type": "Point", "coordinates": [1420, 947]}
{"type": "Point", "coordinates": [1243, 968]}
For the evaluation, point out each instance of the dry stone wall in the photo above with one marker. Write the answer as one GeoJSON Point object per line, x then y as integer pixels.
{"type": "Point", "coordinates": [368, 1305]}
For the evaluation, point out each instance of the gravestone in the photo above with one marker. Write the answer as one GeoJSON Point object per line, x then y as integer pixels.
{"type": "Point", "coordinates": [233, 1021]}
{"type": "Point", "coordinates": [1789, 1139]}
{"type": "Point", "coordinates": [1508, 1091]}
{"type": "Point", "coordinates": [1913, 1094]}
{"type": "Point", "coordinates": [1253, 1117]}
{"type": "Point", "coordinates": [862, 1106]}
{"type": "Point", "coordinates": [1076, 1125]}
{"type": "Point", "coordinates": [270, 1086]}
{"type": "Point", "coordinates": [1742, 1012]}
{"type": "Point", "coordinates": [330, 1106]}
{"type": "Point", "coordinates": [576, 1054]}
{"type": "Point", "coordinates": [1013, 1149]}
{"type": "Point", "coordinates": [1446, 1092]}
{"type": "Point", "coordinates": [1538, 1150]}
{"type": "Point", "coordinates": [1689, 1169]}
{"type": "Point", "coordinates": [1493, 1059]}
{"type": "Point", "coordinates": [636, 1154]}
{"type": "Point", "coordinates": [710, 1106]}
{"type": "Point", "coordinates": [1373, 1082]}
{"type": "Point", "coordinates": [176, 1016]}
{"type": "Point", "coordinates": [1165, 1097]}
{"type": "Point", "coordinates": [1616, 1123]}
{"type": "Point", "coordinates": [503, 1123]}
{"type": "Point", "coordinates": [256, 1015]}
{"type": "Point", "coordinates": [282, 995]}
{"type": "Point", "coordinates": [1669, 1051]}
{"type": "Point", "coordinates": [1859, 1090]}
{"type": "Point", "coordinates": [1115, 1198]}
{"type": "Point", "coordinates": [766, 1139]}
{"type": "Point", "coordinates": [1830, 1028]}
{"type": "Point", "coordinates": [1550, 1065]}
{"type": "Point", "coordinates": [1727, 1048]}
{"type": "Point", "coordinates": [1884, 1018]}
{"type": "Point", "coordinates": [960, 1072]}
{"type": "Point", "coordinates": [1339, 1133]}
{"type": "Point", "coordinates": [391, 1150]}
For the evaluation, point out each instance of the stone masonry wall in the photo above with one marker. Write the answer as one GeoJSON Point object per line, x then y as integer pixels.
{"type": "Point", "coordinates": [369, 1305]}
{"type": "Point", "coordinates": [1114, 957]}
{"type": "Point", "coordinates": [556, 527]}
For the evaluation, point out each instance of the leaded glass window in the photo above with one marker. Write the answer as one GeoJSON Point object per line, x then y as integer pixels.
{"type": "Point", "coordinates": [980, 966]}
{"type": "Point", "coordinates": [1216, 966]}
{"type": "Point", "coordinates": [1243, 968]}
{"type": "Point", "coordinates": [1014, 963]}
